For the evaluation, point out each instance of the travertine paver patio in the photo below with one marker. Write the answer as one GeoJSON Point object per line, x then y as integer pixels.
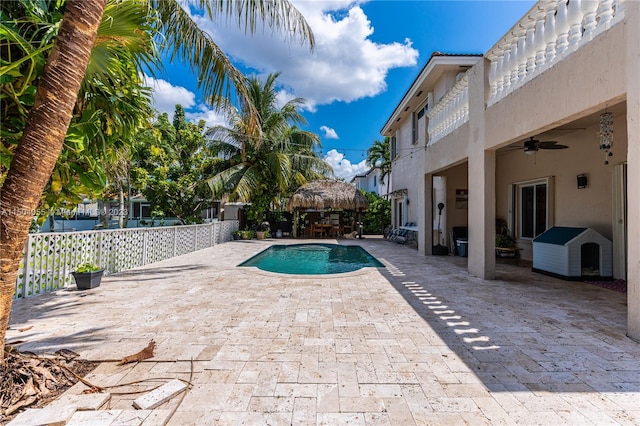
{"type": "Point", "coordinates": [417, 342]}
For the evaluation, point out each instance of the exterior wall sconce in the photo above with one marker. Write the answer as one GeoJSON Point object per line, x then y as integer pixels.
{"type": "Point", "coordinates": [582, 181]}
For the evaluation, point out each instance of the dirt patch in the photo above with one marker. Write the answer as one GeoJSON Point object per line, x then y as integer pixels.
{"type": "Point", "coordinates": [31, 381]}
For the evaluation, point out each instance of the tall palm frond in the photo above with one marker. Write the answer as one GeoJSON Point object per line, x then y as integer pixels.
{"type": "Point", "coordinates": [275, 158]}
{"type": "Point", "coordinates": [216, 74]}
{"type": "Point", "coordinates": [379, 156]}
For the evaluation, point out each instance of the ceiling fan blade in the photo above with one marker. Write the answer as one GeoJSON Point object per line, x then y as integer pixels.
{"type": "Point", "coordinates": [531, 143]}
{"type": "Point", "coordinates": [551, 145]}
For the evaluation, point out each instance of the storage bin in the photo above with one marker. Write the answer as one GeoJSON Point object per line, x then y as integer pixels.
{"type": "Point", "coordinates": [462, 246]}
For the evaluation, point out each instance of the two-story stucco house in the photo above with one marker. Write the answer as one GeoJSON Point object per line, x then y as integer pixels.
{"type": "Point", "coordinates": [542, 130]}
{"type": "Point", "coordinates": [371, 182]}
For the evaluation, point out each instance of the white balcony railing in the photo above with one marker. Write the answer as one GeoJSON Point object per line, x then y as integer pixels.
{"type": "Point", "coordinates": [550, 31]}
{"type": "Point", "coordinates": [450, 112]}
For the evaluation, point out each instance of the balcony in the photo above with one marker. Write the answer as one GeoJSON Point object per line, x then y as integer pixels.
{"type": "Point", "coordinates": [551, 31]}
{"type": "Point", "coordinates": [451, 112]}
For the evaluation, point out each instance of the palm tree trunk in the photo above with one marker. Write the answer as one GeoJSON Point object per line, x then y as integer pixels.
{"type": "Point", "coordinates": [42, 141]}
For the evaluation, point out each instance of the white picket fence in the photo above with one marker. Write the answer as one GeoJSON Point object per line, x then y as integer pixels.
{"type": "Point", "coordinates": [50, 258]}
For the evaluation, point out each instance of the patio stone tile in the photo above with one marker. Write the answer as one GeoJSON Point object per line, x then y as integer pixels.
{"type": "Point", "coordinates": [328, 399]}
{"type": "Point", "coordinates": [218, 376]}
{"type": "Point", "coordinates": [430, 343]}
{"type": "Point", "coordinates": [253, 418]}
{"type": "Point", "coordinates": [248, 376]}
{"type": "Point", "coordinates": [332, 419]}
{"type": "Point", "coordinates": [267, 380]}
{"type": "Point", "coordinates": [304, 411]}
{"type": "Point", "coordinates": [360, 404]}
{"type": "Point", "coordinates": [271, 404]}
{"type": "Point", "coordinates": [452, 404]}
{"type": "Point", "coordinates": [206, 396]}
{"type": "Point", "coordinates": [208, 352]}
{"type": "Point", "coordinates": [95, 418]}
{"type": "Point", "coordinates": [398, 411]}
{"type": "Point", "coordinates": [181, 418]}
{"type": "Point", "coordinates": [465, 390]}
{"type": "Point", "coordinates": [157, 417]}
{"type": "Point", "coordinates": [239, 398]}
{"type": "Point", "coordinates": [297, 390]}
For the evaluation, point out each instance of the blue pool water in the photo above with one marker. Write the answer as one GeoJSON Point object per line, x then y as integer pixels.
{"type": "Point", "coordinates": [312, 259]}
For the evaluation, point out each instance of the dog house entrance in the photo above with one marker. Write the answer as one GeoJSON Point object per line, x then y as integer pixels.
{"type": "Point", "coordinates": [590, 259]}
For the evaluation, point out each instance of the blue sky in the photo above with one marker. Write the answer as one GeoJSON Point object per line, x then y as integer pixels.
{"type": "Point", "coordinates": [367, 54]}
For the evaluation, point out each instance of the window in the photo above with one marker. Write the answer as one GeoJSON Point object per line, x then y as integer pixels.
{"type": "Point", "coordinates": [141, 210]}
{"type": "Point", "coordinates": [533, 208]}
{"type": "Point", "coordinates": [375, 181]}
{"type": "Point", "coordinates": [414, 127]}
{"type": "Point", "coordinates": [394, 147]}
{"type": "Point", "coordinates": [422, 124]}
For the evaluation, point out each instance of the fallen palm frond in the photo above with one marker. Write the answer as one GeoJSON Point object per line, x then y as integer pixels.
{"type": "Point", "coordinates": [146, 353]}
{"type": "Point", "coordinates": [28, 380]}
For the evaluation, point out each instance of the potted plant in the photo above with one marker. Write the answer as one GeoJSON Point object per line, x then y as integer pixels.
{"type": "Point", "coordinates": [88, 275]}
{"type": "Point", "coordinates": [262, 231]}
{"type": "Point", "coordinates": [505, 246]}
{"type": "Point", "coordinates": [247, 234]}
{"type": "Point", "coordinates": [236, 235]}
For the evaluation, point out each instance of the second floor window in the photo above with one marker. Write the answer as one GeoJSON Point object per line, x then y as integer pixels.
{"type": "Point", "coordinates": [394, 147]}
{"type": "Point", "coordinates": [414, 127]}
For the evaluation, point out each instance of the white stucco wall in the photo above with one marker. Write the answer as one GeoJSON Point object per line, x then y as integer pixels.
{"type": "Point", "coordinates": [589, 207]}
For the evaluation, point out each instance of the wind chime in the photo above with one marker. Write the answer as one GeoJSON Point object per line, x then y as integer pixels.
{"type": "Point", "coordinates": [606, 135]}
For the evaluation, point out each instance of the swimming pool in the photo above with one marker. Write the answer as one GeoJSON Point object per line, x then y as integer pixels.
{"type": "Point", "coordinates": [312, 259]}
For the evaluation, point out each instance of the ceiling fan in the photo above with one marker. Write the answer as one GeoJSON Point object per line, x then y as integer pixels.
{"type": "Point", "coordinates": [531, 145]}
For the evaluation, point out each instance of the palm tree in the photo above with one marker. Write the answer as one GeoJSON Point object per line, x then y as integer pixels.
{"type": "Point", "coordinates": [264, 163]}
{"type": "Point", "coordinates": [42, 139]}
{"type": "Point", "coordinates": [379, 156]}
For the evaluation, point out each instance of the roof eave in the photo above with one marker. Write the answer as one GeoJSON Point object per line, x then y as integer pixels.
{"type": "Point", "coordinates": [435, 62]}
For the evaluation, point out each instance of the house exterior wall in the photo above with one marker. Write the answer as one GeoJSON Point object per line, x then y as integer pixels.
{"type": "Point", "coordinates": [443, 84]}
{"type": "Point", "coordinates": [588, 207]}
{"type": "Point", "coordinates": [370, 182]}
{"type": "Point", "coordinates": [561, 101]}
{"type": "Point", "coordinates": [409, 159]}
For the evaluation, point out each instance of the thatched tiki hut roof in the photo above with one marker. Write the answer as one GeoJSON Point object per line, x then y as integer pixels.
{"type": "Point", "coordinates": [327, 194]}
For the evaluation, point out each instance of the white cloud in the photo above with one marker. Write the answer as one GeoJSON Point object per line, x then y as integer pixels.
{"type": "Point", "coordinates": [166, 95]}
{"type": "Point", "coordinates": [210, 116]}
{"type": "Point", "coordinates": [343, 167]}
{"type": "Point", "coordinates": [345, 66]}
{"type": "Point", "coordinates": [329, 133]}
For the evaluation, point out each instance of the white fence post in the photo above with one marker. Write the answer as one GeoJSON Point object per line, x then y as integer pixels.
{"type": "Point", "coordinates": [26, 270]}
{"type": "Point", "coordinates": [99, 254]}
{"type": "Point", "coordinates": [144, 247]}
{"type": "Point", "coordinates": [175, 241]}
{"type": "Point", "coordinates": [195, 238]}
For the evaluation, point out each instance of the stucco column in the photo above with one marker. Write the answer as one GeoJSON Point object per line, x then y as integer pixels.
{"type": "Point", "coordinates": [481, 181]}
{"type": "Point", "coordinates": [632, 18]}
{"type": "Point", "coordinates": [425, 216]}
